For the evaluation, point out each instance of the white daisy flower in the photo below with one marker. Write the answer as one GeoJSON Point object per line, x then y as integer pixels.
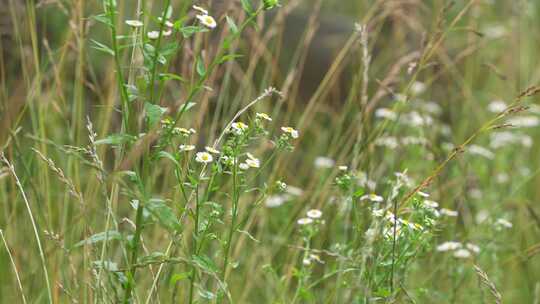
{"type": "Point", "coordinates": [185, 148]}
{"type": "Point", "coordinates": [324, 162]}
{"type": "Point", "coordinates": [212, 150]}
{"type": "Point", "coordinates": [200, 9]}
{"type": "Point", "coordinates": [497, 106]}
{"type": "Point", "coordinates": [292, 132]}
{"type": "Point", "coordinates": [243, 166]}
{"type": "Point", "coordinates": [449, 212]}
{"type": "Point", "coordinates": [314, 213]}
{"type": "Point", "coordinates": [134, 23]}
{"type": "Point", "coordinates": [503, 223]}
{"type": "Point", "coordinates": [372, 197]}
{"type": "Point", "coordinates": [204, 157]}
{"type": "Point", "coordinates": [153, 35]}
{"type": "Point", "coordinates": [167, 23]}
{"type": "Point", "coordinates": [431, 204]}
{"type": "Point", "coordinates": [253, 163]}
{"type": "Point", "coordinates": [263, 116]}
{"type": "Point", "coordinates": [167, 33]}
{"type": "Point", "coordinates": [207, 21]}
{"type": "Point", "coordinates": [304, 221]}
{"type": "Point", "coordinates": [449, 246]}
{"type": "Point", "coordinates": [238, 127]}
{"type": "Point", "coordinates": [275, 201]}
{"type": "Point", "coordinates": [343, 168]}
{"type": "Point", "coordinates": [385, 113]}
{"type": "Point", "coordinates": [472, 247]}
{"type": "Point", "coordinates": [462, 254]}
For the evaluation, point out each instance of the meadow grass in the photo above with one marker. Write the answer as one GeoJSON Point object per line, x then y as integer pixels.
{"type": "Point", "coordinates": [269, 151]}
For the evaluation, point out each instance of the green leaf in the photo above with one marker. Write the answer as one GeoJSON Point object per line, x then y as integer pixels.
{"type": "Point", "coordinates": [163, 214]}
{"type": "Point", "coordinates": [179, 277]}
{"type": "Point", "coordinates": [152, 258]}
{"type": "Point", "coordinates": [188, 31]}
{"type": "Point", "coordinates": [169, 76]}
{"type": "Point", "coordinates": [229, 57]}
{"type": "Point", "coordinates": [201, 69]}
{"type": "Point", "coordinates": [99, 237]}
{"type": "Point", "coordinates": [165, 154]}
{"type": "Point", "coordinates": [246, 5]}
{"type": "Point", "coordinates": [153, 113]}
{"type": "Point", "coordinates": [102, 18]}
{"type": "Point", "coordinates": [359, 192]}
{"type": "Point", "coordinates": [232, 25]}
{"type": "Point", "coordinates": [205, 263]}
{"type": "Point", "coordinates": [116, 139]}
{"type": "Point", "coordinates": [102, 47]}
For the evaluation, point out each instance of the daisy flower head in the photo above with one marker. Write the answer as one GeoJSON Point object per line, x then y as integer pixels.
{"type": "Point", "coordinates": [253, 163]}
{"type": "Point", "coordinates": [343, 168]}
{"type": "Point", "coordinates": [204, 157]}
{"type": "Point", "coordinates": [263, 116]}
{"type": "Point", "coordinates": [185, 148]}
{"type": "Point", "coordinates": [304, 221]}
{"type": "Point", "coordinates": [243, 166]}
{"type": "Point", "coordinates": [372, 197]}
{"type": "Point", "coordinates": [448, 212]}
{"type": "Point", "coordinates": [167, 22]}
{"type": "Point", "coordinates": [314, 214]}
{"type": "Point", "coordinates": [239, 128]}
{"type": "Point", "coordinates": [212, 150]}
{"type": "Point", "coordinates": [153, 35]}
{"type": "Point", "coordinates": [207, 21]}
{"type": "Point", "coordinates": [134, 23]}
{"type": "Point", "coordinates": [200, 10]}
{"type": "Point", "coordinates": [462, 254]}
{"type": "Point", "coordinates": [290, 131]}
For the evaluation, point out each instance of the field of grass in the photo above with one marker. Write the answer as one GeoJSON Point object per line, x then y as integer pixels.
{"type": "Point", "coordinates": [294, 151]}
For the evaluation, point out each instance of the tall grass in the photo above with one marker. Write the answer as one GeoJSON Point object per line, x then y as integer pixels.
{"type": "Point", "coordinates": [269, 152]}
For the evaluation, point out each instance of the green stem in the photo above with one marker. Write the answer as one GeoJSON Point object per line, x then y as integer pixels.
{"type": "Point", "coordinates": [233, 222]}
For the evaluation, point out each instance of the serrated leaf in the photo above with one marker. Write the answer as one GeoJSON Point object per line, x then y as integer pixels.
{"type": "Point", "coordinates": [99, 237]}
{"type": "Point", "coordinates": [153, 113]}
{"type": "Point", "coordinates": [163, 214]}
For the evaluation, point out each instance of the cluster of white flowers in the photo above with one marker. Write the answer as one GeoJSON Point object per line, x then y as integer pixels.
{"type": "Point", "coordinates": [393, 224]}
{"type": "Point", "coordinates": [183, 131]}
{"type": "Point", "coordinates": [250, 162]}
{"type": "Point", "coordinates": [312, 216]}
{"type": "Point", "coordinates": [481, 151]}
{"type": "Point", "coordinates": [460, 251]}
{"type": "Point", "coordinates": [290, 131]}
{"type": "Point", "coordinates": [392, 142]}
{"type": "Point", "coordinates": [506, 138]}
{"type": "Point", "coordinates": [238, 128]}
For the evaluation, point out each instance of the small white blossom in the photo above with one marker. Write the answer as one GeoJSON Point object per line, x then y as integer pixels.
{"type": "Point", "coordinates": [263, 116]}
{"type": "Point", "coordinates": [153, 35]}
{"type": "Point", "coordinates": [184, 148]}
{"type": "Point", "coordinates": [253, 163]}
{"type": "Point", "coordinates": [385, 113]}
{"type": "Point", "coordinates": [372, 197]}
{"type": "Point", "coordinates": [524, 121]}
{"type": "Point", "coordinates": [243, 166]}
{"type": "Point", "coordinates": [449, 212]}
{"type": "Point", "coordinates": [294, 190]}
{"type": "Point", "coordinates": [304, 221]}
{"type": "Point", "coordinates": [134, 23]}
{"type": "Point", "coordinates": [204, 157]}
{"type": "Point", "coordinates": [275, 201]}
{"type": "Point", "coordinates": [418, 88]}
{"type": "Point", "coordinates": [503, 223]}
{"type": "Point", "coordinates": [449, 246]}
{"type": "Point", "coordinates": [239, 127]}
{"type": "Point", "coordinates": [497, 106]}
{"type": "Point", "coordinates": [314, 213]}
{"type": "Point", "coordinates": [207, 21]}
{"type": "Point", "coordinates": [212, 150]}
{"type": "Point", "coordinates": [324, 162]}
{"type": "Point", "coordinates": [343, 168]}
{"type": "Point", "coordinates": [472, 247]}
{"type": "Point", "coordinates": [462, 254]}
{"type": "Point", "coordinates": [431, 204]}
{"type": "Point", "coordinates": [200, 9]}
{"type": "Point", "coordinates": [292, 132]}
{"type": "Point", "coordinates": [479, 150]}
